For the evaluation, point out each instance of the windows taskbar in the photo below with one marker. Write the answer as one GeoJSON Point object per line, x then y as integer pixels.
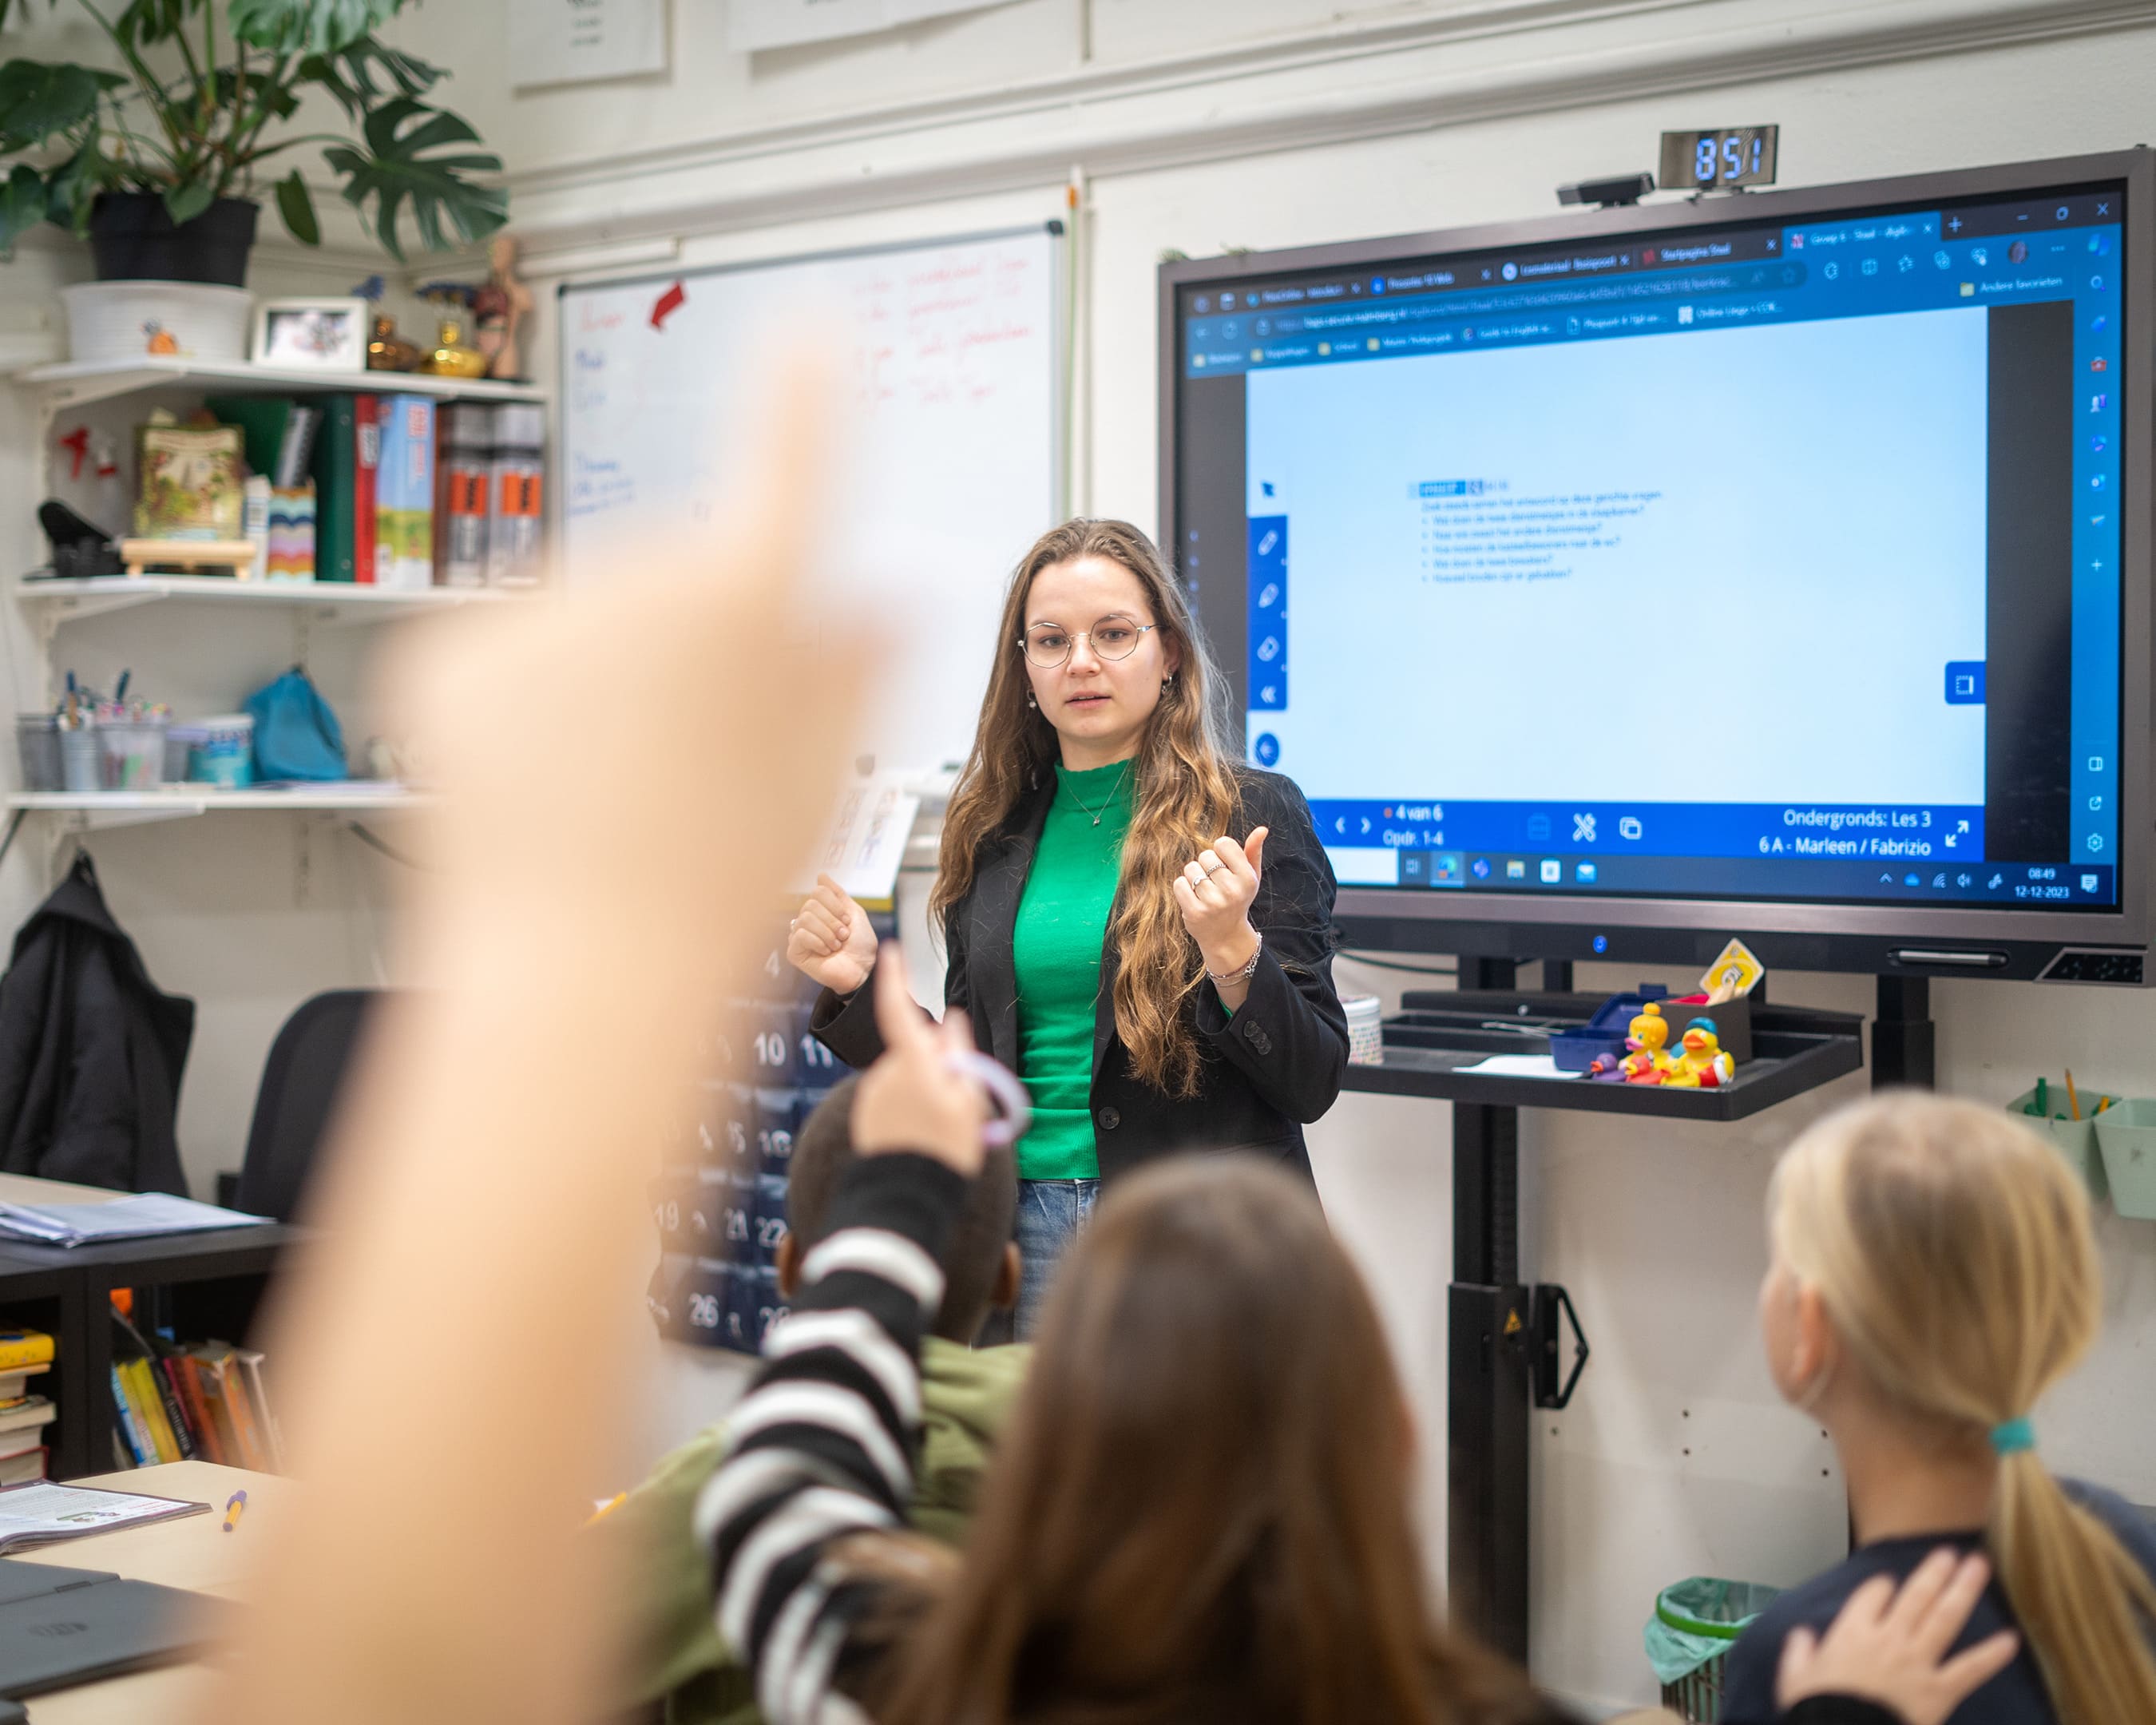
{"type": "Point", "coordinates": [2048, 885]}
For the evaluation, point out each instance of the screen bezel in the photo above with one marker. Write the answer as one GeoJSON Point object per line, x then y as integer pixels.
{"type": "Point", "coordinates": [1855, 937]}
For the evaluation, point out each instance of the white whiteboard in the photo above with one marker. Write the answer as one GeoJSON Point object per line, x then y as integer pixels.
{"type": "Point", "coordinates": [950, 354]}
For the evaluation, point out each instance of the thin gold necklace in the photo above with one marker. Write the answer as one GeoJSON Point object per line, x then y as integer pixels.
{"type": "Point", "coordinates": [1097, 813]}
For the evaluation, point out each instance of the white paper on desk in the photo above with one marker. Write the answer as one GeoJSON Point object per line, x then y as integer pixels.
{"type": "Point", "coordinates": [1517, 1066]}
{"type": "Point", "coordinates": [865, 841]}
{"type": "Point", "coordinates": [135, 1217]}
{"type": "Point", "coordinates": [42, 1513]}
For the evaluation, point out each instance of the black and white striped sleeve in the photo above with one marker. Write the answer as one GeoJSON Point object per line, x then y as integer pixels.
{"type": "Point", "coordinates": [821, 1448]}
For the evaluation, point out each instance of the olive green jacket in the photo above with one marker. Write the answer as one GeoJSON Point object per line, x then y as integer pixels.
{"type": "Point", "coordinates": [674, 1650]}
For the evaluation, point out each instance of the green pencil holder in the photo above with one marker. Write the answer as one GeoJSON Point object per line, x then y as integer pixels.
{"type": "Point", "coordinates": [2074, 1138]}
{"type": "Point", "coordinates": [2126, 1134]}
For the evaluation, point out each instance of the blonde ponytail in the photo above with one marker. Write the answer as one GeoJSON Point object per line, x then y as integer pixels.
{"type": "Point", "coordinates": [2084, 1604]}
{"type": "Point", "coordinates": [1953, 1252]}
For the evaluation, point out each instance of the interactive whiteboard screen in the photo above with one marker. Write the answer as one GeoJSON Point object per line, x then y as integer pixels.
{"type": "Point", "coordinates": [953, 454]}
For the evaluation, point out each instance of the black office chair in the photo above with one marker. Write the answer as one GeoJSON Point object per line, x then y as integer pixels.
{"type": "Point", "coordinates": [299, 1086]}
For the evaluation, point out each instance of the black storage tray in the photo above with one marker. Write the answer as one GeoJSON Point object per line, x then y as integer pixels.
{"type": "Point", "coordinates": [1794, 1049]}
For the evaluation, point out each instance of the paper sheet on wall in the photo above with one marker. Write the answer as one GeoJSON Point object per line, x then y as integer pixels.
{"type": "Point", "coordinates": [754, 25]}
{"type": "Point", "coordinates": [580, 41]}
{"type": "Point", "coordinates": [865, 841]}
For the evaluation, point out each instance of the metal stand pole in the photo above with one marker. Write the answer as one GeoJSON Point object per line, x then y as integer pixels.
{"type": "Point", "coordinates": [1490, 1385]}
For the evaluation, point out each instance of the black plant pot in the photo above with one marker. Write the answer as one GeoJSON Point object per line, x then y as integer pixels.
{"type": "Point", "coordinates": [132, 237]}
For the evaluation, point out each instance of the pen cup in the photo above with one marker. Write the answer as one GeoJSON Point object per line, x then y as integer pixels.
{"type": "Point", "coordinates": [131, 753]}
{"type": "Point", "coordinates": [2126, 1134]}
{"type": "Point", "coordinates": [38, 741]}
{"type": "Point", "coordinates": [82, 760]}
{"type": "Point", "coordinates": [2075, 1138]}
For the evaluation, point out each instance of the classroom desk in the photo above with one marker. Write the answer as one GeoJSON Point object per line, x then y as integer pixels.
{"type": "Point", "coordinates": [194, 1553]}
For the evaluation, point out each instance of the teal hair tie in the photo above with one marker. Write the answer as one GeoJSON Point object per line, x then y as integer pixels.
{"type": "Point", "coordinates": [2009, 1437]}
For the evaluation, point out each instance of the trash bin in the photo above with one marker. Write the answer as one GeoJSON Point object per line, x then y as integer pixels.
{"type": "Point", "coordinates": [1691, 1631]}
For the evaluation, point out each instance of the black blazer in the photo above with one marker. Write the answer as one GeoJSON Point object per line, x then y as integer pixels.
{"type": "Point", "coordinates": [1277, 1065]}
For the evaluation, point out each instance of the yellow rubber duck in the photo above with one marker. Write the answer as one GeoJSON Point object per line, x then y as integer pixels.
{"type": "Point", "coordinates": [1649, 1061]}
{"type": "Point", "coordinates": [1703, 1065]}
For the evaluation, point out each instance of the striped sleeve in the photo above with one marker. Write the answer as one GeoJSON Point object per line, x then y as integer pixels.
{"type": "Point", "coordinates": [821, 1448]}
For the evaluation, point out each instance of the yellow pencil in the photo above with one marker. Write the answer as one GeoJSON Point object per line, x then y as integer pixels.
{"type": "Point", "coordinates": [606, 1508]}
{"type": "Point", "coordinates": [2101, 1106]}
{"type": "Point", "coordinates": [2073, 1101]}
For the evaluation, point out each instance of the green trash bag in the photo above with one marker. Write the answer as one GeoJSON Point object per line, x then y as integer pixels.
{"type": "Point", "coordinates": [1697, 1621]}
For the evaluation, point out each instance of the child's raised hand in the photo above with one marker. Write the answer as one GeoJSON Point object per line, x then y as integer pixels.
{"type": "Point", "coordinates": [914, 1098]}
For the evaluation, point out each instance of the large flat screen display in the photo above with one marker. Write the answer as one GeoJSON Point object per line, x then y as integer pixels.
{"type": "Point", "coordinates": [1776, 562]}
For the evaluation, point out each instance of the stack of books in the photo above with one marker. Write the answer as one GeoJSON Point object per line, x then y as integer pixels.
{"type": "Point", "coordinates": [24, 1354]}
{"type": "Point", "coordinates": [184, 1402]}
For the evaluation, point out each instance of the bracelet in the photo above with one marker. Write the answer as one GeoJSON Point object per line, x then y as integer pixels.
{"type": "Point", "coordinates": [1246, 972]}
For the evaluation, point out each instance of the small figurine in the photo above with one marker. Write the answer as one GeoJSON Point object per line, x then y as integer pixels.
{"type": "Point", "coordinates": [1703, 1065]}
{"type": "Point", "coordinates": [389, 351]}
{"type": "Point", "coordinates": [452, 357]}
{"type": "Point", "coordinates": [1606, 1069]}
{"type": "Point", "coordinates": [1648, 1063]}
{"type": "Point", "coordinates": [499, 309]}
{"type": "Point", "coordinates": [160, 340]}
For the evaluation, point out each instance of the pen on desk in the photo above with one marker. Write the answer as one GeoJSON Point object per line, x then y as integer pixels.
{"type": "Point", "coordinates": [232, 1506]}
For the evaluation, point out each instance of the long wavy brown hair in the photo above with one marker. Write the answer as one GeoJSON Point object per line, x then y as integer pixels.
{"type": "Point", "coordinates": [1199, 1512]}
{"type": "Point", "coordinates": [1185, 787]}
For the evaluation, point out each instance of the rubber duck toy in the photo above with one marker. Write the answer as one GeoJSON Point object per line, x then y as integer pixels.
{"type": "Point", "coordinates": [1703, 1065]}
{"type": "Point", "coordinates": [1648, 1063]}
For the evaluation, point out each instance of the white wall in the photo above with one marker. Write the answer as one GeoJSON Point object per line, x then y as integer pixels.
{"type": "Point", "coordinates": [1199, 124]}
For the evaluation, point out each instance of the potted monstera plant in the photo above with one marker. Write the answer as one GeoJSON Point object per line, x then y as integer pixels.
{"type": "Point", "coordinates": [158, 160]}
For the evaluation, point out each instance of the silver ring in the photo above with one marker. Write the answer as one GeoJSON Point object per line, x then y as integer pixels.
{"type": "Point", "coordinates": [1210, 857]}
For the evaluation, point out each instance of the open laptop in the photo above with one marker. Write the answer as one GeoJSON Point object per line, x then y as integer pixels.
{"type": "Point", "coordinates": [60, 1627]}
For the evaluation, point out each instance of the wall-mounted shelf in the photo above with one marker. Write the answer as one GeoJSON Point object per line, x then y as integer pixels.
{"type": "Point", "coordinates": [73, 382]}
{"type": "Point", "coordinates": [75, 600]}
{"type": "Point", "coordinates": [90, 810]}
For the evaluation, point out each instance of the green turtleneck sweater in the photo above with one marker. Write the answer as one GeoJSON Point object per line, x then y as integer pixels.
{"type": "Point", "coordinates": [1062, 926]}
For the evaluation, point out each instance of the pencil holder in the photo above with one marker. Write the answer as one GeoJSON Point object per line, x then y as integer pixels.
{"type": "Point", "coordinates": [82, 761]}
{"type": "Point", "coordinates": [132, 754]}
{"type": "Point", "coordinates": [2074, 1138]}
{"type": "Point", "coordinates": [2126, 1133]}
{"type": "Point", "coordinates": [38, 741]}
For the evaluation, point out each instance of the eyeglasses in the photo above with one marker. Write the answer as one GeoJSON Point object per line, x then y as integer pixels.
{"type": "Point", "coordinates": [1048, 645]}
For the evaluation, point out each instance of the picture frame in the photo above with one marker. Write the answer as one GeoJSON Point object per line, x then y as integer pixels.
{"type": "Point", "coordinates": [310, 335]}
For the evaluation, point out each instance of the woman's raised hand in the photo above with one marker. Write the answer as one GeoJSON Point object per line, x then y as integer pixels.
{"type": "Point", "coordinates": [1215, 892]}
{"type": "Point", "coordinates": [830, 941]}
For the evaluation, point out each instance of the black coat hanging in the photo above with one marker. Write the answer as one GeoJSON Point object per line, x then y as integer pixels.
{"type": "Point", "coordinates": [90, 1051]}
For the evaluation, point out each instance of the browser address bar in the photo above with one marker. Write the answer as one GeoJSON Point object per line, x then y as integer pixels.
{"type": "Point", "coordinates": [1600, 293]}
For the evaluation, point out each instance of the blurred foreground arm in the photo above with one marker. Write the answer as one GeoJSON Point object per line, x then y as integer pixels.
{"type": "Point", "coordinates": [621, 808]}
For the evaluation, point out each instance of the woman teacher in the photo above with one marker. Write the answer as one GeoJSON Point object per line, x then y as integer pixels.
{"type": "Point", "coordinates": [1159, 983]}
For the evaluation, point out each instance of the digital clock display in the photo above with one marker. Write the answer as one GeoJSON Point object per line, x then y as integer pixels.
{"type": "Point", "coordinates": [1711, 161]}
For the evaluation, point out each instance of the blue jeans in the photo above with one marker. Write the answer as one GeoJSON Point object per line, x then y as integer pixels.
{"type": "Point", "coordinates": [1050, 1213]}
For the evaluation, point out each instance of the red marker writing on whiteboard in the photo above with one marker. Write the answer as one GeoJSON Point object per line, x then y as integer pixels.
{"type": "Point", "coordinates": [667, 305]}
